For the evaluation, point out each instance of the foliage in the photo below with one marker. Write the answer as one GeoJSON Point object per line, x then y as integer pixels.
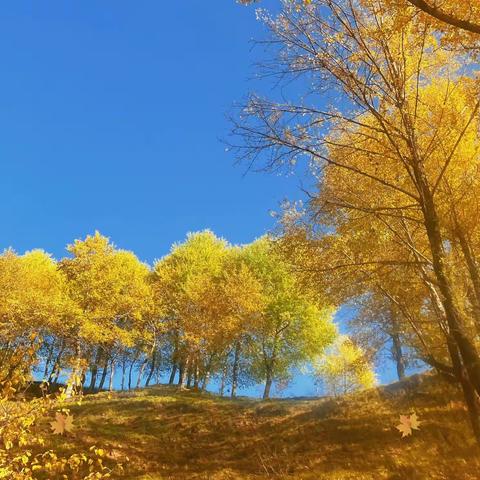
{"type": "Point", "coordinates": [457, 21]}
{"type": "Point", "coordinates": [23, 451]}
{"type": "Point", "coordinates": [395, 167]}
{"type": "Point", "coordinates": [344, 368]}
{"type": "Point", "coordinates": [109, 286]}
{"type": "Point", "coordinates": [202, 306]}
{"type": "Point", "coordinates": [291, 330]}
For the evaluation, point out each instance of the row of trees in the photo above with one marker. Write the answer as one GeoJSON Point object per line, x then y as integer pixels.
{"type": "Point", "coordinates": [387, 114]}
{"type": "Point", "coordinates": [207, 309]}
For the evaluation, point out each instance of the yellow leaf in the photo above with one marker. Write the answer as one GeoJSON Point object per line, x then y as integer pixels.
{"type": "Point", "coordinates": [408, 424]}
{"type": "Point", "coordinates": [62, 424]}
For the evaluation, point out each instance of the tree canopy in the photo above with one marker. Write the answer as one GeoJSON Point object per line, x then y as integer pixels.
{"type": "Point", "coordinates": [207, 309]}
{"type": "Point", "coordinates": [388, 119]}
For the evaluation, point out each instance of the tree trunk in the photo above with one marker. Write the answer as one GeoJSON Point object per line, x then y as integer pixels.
{"type": "Point", "coordinates": [206, 374]}
{"type": "Point", "coordinates": [175, 362]}
{"type": "Point", "coordinates": [94, 370]}
{"type": "Point", "coordinates": [93, 377]}
{"type": "Point", "coordinates": [132, 363]}
{"type": "Point", "coordinates": [83, 377]}
{"type": "Point", "coordinates": [235, 368]}
{"type": "Point", "coordinates": [152, 368]}
{"type": "Point", "coordinates": [466, 347]}
{"type": "Point", "coordinates": [205, 381]}
{"type": "Point", "coordinates": [189, 372]}
{"type": "Point", "coordinates": [55, 373]}
{"type": "Point", "coordinates": [184, 367]}
{"type": "Point", "coordinates": [469, 393]}
{"type": "Point", "coordinates": [112, 373]}
{"type": "Point", "coordinates": [268, 386]}
{"type": "Point", "coordinates": [472, 401]}
{"type": "Point", "coordinates": [76, 372]}
{"type": "Point", "coordinates": [172, 374]}
{"type": "Point", "coordinates": [181, 375]}
{"type": "Point", "coordinates": [270, 365]}
{"type": "Point", "coordinates": [196, 377]}
{"type": "Point", "coordinates": [472, 270]}
{"type": "Point", "coordinates": [398, 355]}
{"type": "Point", "coordinates": [48, 360]}
{"type": "Point", "coordinates": [224, 376]}
{"type": "Point", "coordinates": [104, 375]}
{"type": "Point", "coordinates": [124, 371]}
{"type": "Point", "coordinates": [140, 372]}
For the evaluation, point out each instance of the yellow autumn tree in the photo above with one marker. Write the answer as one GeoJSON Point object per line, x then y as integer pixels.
{"type": "Point", "coordinates": [111, 290]}
{"type": "Point", "coordinates": [239, 297]}
{"type": "Point", "coordinates": [33, 305]}
{"type": "Point", "coordinates": [398, 158]}
{"type": "Point", "coordinates": [292, 328]}
{"type": "Point", "coordinates": [183, 283]}
{"type": "Point", "coordinates": [344, 368]}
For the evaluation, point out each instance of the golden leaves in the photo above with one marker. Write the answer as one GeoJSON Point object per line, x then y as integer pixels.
{"type": "Point", "coordinates": [408, 424]}
{"type": "Point", "coordinates": [62, 423]}
{"type": "Point", "coordinates": [108, 286]}
{"type": "Point", "coordinates": [345, 367]}
{"type": "Point", "coordinates": [24, 454]}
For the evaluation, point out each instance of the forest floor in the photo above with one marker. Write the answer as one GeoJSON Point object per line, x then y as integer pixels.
{"type": "Point", "coordinates": [171, 434]}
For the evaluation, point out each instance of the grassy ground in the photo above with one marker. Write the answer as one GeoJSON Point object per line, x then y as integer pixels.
{"type": "Point", "coordinates": [171, 434]}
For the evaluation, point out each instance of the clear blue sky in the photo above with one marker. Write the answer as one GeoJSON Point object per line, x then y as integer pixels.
{"type": "Point", "coordinates": [110, 117]}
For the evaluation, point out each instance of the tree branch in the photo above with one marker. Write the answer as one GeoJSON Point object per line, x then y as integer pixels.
{"type": "Point", "coordinates": [445, 17]}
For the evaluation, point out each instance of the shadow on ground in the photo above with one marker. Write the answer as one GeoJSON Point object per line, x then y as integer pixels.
{"type": "Point", "coordinates": [172, 434]}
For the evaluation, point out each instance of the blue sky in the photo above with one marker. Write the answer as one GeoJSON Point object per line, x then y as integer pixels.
{"type": "Point", "coordinates": [110, 118]}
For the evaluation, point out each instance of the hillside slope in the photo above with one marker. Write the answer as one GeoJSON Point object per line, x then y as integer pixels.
{"type": "Point", "coordinates": [171, 434]}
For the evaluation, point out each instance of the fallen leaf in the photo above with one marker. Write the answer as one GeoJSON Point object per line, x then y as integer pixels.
{"type": "Point", "coordinates": [62, 424]}
{"type": "Point", "coordinates": [408, 424]}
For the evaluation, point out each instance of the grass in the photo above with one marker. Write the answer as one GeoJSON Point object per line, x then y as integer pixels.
{"type": "Point", "coordinates": [173, 434]}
